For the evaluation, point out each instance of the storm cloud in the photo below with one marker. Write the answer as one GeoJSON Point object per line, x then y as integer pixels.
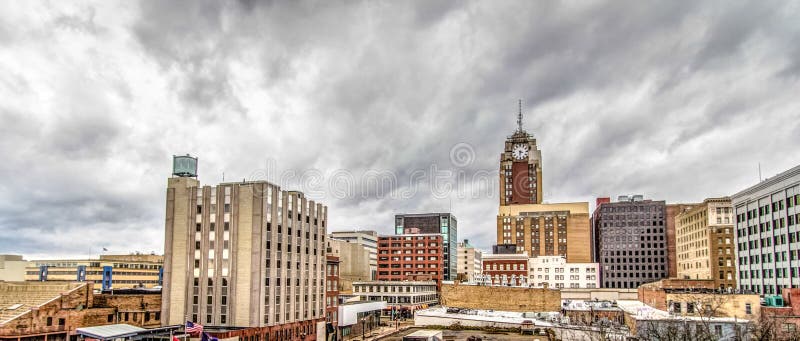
{"type": "Point", "coordinates": [377, 108]}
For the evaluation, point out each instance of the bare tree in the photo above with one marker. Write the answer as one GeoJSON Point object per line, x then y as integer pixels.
{"type": "Point", "coordinates": [696, 323]}
{"type": "Point", "coordinates": [770, 327]}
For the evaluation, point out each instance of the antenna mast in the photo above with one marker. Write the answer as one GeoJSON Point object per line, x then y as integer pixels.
{"type": "Point", "coordinates": [519, 117]}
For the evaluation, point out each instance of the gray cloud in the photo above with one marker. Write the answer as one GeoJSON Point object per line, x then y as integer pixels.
{"type": "Point", "coordinates": [660, 98]}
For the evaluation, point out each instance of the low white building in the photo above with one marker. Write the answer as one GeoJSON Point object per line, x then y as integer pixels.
{"type": "Point", "coordinates": [358, 315]}
{"type": "Point", "coordinates": [555, 272]}
{"type": "Point", "coordinates": [402, 297]}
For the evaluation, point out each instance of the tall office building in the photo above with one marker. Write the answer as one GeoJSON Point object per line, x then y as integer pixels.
{"type": "Point", "coordinates": [560, 229]}
{"type": "Point", "coordinates": [426, 223]}
{"type": "Point", "coordinates": [768, 233]}
{"type": "Point", "coordinates": [244, 254]}
{"type": "Point", "coordinates": [367, 239]}
{"type": "Point", "coordinates": [470, 260]}
{"type": "Point", "coordinates": [630, 241]}
{"type": "Point", "coordinates": [705, 243]}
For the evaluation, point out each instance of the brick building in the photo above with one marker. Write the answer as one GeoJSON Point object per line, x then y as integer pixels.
{"type": "Point", "coordinates": [692, 297]}
{"type": "Point", "coordinates": [506, 269]}
{"type": "Point", "coordinates": [36, 311]}
{"type": "Point", "coordinates": [331, 295]}
{"type": "Point", "coordinates": [593, 312]}
{"type": "Point", "coordinates": [405, 256]}
{"type": "Point", "coordinates": [426, 223]}
{"type": "Point", "coordinates": [784, 319]}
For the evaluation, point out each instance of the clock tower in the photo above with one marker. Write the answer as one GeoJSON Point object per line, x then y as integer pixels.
{"type": "Point", "coordinates": [524, 223]}
{"type": "Point", "coordinates": [520, 168]}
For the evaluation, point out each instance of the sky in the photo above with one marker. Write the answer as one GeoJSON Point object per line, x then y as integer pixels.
{"type": "Point", "coordinates": [380, 107]}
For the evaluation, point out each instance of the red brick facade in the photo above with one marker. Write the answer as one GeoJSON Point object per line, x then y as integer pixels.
{"type": "Point", "coordinates": [521, 190]}
{"type": "Point", "coordinates": [511, 270]}
{"type": "Point", "coordinates": [332, 291]}
{"type": "Point", "coordinates": [304, 331]}
{"type": "Point", "coordinates": [401, 257]}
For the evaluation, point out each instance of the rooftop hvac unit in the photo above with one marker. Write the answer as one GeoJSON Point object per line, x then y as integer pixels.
{"type": "Point", "coordinates": [622, 198]}
{"type": "Point", "coordinates": [774, 301]}
{"type": "Point", "coordinates": [638, 197]}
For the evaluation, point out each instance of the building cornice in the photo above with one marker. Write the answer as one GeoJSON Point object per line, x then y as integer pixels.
{"type": "Point", "coordinates": [792, 172]}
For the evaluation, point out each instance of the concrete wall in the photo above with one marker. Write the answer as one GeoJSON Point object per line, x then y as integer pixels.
{"type": "Point", "coordinates": [500, 298]}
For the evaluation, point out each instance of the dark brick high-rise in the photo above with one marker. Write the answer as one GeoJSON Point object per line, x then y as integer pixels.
{"type": "Point", "coordinates": [630, 241]}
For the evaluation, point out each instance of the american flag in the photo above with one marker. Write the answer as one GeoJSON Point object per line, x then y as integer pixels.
{"type": "Point", "coordinates": [193, 328]}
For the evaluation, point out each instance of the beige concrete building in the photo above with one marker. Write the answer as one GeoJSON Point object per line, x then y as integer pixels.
{"type": "Point", "coordinates": [705, 243]}
{"type": "Point", "coordinates": [354, 263]}
{"type": "Point", "coordinates": [366, 238]}
{"type": "Point", "coordinates": [673, 210]}
{"type": "Point", "coordinates": [108, 271]}
{"type": "Point", "coordinates": [561, 229]}
{"type": "Point", "coordinates": [245, 254]}
{"type": "Point", "coordinates": [469, 262]}
{"type": "Point", "coordinates": [12, 268]}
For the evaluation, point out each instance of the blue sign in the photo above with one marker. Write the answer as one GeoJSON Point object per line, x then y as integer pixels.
{"type": "Point", "coordinates": [160, 276]}
{"type": "Point", "coordinates": [81, 273]}
{"type": "Point", "coordinates": [43, 273]}
{"type": "Point", "coordinates": [107, 271]}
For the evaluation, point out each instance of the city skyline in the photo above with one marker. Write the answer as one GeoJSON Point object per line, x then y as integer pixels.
{"type": "Point", "coordinates": [679, 102]}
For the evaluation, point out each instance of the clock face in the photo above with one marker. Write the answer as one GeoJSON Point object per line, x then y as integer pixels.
{"type": "Point", "coordinates": [520, 151]}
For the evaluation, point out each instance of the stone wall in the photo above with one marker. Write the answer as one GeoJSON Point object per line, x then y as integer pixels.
{"type": "Point", "coordinates": [500, 298]}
